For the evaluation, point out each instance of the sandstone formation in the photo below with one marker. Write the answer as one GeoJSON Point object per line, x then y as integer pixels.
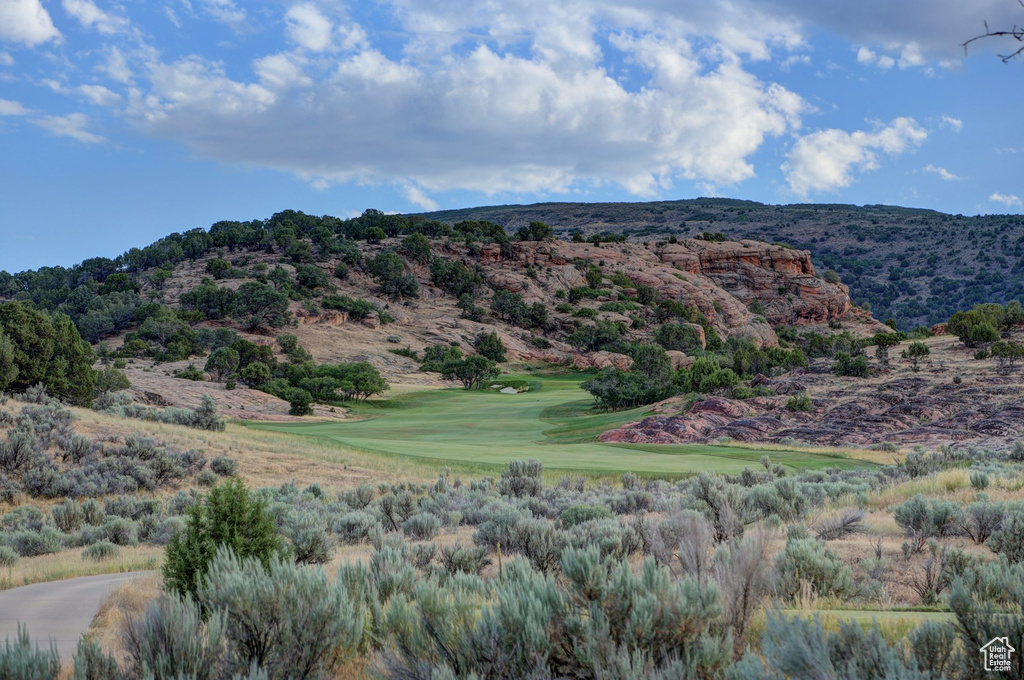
{"type": "Point", "coordinates": [901, 407]}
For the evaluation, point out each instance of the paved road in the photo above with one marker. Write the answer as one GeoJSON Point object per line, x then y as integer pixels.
{"type": "Point", "coordinates": [61, 610]}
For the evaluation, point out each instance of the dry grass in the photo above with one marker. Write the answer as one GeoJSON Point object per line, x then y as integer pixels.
{"type": "Point", "coordinates": [267, 458]}
{"type": "Point", "coordinates": [870, 455]}
{"type": "Point", "coordinates": [70, 564]}
{"type": "Point", "coordinates": [126, 599]}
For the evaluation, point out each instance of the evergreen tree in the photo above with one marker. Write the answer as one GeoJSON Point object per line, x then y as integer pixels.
{"type": "Point", "coordinates": [229, 516]}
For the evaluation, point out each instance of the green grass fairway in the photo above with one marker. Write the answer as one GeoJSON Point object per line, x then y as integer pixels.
{"type": "Point", "coordinates": [554, 423]}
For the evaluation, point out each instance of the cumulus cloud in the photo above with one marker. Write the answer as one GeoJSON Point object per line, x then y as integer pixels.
{"type": "Point", "coordinates": [521, 101]}
{"type": "Point", "coordinates": [1009, 200]}
{"type": "Point", "coordinates": [308, 27]}
{"type": "Point", "coordinates": [89, 15]}
{"type": "Point", "coordinates": [419, 198]}
{"type": "Point", "coordinates": [281, 71]}
{"type": "Point", "coordinates": [942, 172]}
{"type": "Point", "coordinates": [826, 160]}
{"type": "Point", "coordinates": [870, 57]}
{"type": "Point", "coordinates": [11, 108]}
{"type": "Point", "coordinates": [26, 22]}
{"type": "Point", "coordinates": [99, 95]}
{"type": "Point", "coordinates": [72, 125]}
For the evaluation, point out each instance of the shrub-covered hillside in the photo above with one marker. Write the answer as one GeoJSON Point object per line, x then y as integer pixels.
{"type": "Point", "coordinates": [918, 266]}
{"type": "Point", "coordinates": [207, 302]}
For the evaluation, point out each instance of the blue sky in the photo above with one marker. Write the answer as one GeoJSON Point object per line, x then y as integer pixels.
{"type": "Point", "coordinates": [123, 121]}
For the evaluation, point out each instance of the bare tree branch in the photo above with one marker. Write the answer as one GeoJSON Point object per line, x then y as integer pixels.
{"type": "Point", "coordinates": [1017, 33]}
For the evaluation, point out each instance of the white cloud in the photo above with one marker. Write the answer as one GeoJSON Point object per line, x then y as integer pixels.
{"type": "Point", "coordinates": [826, 160]}
{"type": "Point", "coordinates": [417, 197]}
{"type": "Point", "coordinates": [872, 58]}
{"type": "Point", "coordinates": [226, 12]}
{"type": "Point", "coordinates": [72, 125]}
{"type": "Point", "coordinates": [942, 172]}
{"type": "Point", "coordinates": [194, 85]}
{"type": "Point", "coordinates": [6, 59]}
{"type": "Point", "coordinates": [953, 123]}
{"type": "Point", "coordinates": [11, 108]}
{"type": "Point", "coordinates": [99, 95]}
{"type": "Point", "coordinates": [1009, 200]}
{"type": "Point", "coordinates": [308, 27]}
{"type": "Point", "coordinates": [281, 72]}
{"type": "Point", "coordinates": [116, 67]}
{"type": "Point", "coordinates": [91, 16]}
{"type": "Point", "coordinates": [172, 16]}
{"type": "Point", "coordinates": [523, 100]}
{"type": "Point", "coordinates": [26, 22]}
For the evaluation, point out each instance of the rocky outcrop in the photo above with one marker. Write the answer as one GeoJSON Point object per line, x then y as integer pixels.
{"type": "Point", "coordinates": [850, 412]}
{"type": "Point", "coordinates": [781, 279]}
{"type": "Point", "coordinates": [602, 360]}
{"type": "Point", "coordinates": [742, 287]}
{"type": "Point", "coordinates": [679, 359]}
{"type": "Point", "coordinates": [328, 317]}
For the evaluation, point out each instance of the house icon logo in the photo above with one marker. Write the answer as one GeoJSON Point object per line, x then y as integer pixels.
{"type": "Point", "coordinates": [997, 654]}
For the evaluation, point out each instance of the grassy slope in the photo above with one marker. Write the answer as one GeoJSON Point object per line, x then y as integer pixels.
{"type": "Point", "coordinates": [552, 424]}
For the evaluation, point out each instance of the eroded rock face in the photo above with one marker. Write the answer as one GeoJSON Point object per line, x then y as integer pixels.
{"type": "Point", "coordinates": [328, 317]}
{"type": "Point", "coordinates": [742, 287]}
{"type": "Point", "coordinates": [902, 410]}
{"type": "Point", "coordinates": [781, 279]}
{"type": "Point", "coordinates": [601, 360]}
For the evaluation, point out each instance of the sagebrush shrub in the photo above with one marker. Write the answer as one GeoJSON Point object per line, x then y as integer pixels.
{"type": "Point", "coordinates": [583, 512]}
{"type": "Point", "coordinates": [466, 559]}
{"type": "Point", "coordinates": [310, 541]}
{"type": "Point", "coordinates": [808, 560]}
{"type": "Point", "coordinates": [1008, 540]}
{"type": "Point", "coordinates": [68, 516]}
{"type": "Point", "coordinates": [981, 519]}
{"type": "Point", "coordinates": [356, 527]}
{"type": "Point", "coordinates": [522, 478]}
{"type": "Point", "coordinates": [922, 519]}
{"type": "Point", "coordinates": [92, 663]}
{"type": "Point", "coordinates": [92, 512]}
{"type": "Point", "coordinates": [171, 640]}
{"type": "Point", "coordinates": [104, 550]}
{"type": "Point", "coordinates": [421, 527]}
{"type": "Point", "coordinates": [284, 618]}
{"type": "Point", "coordinates": [224, 466]}
{"type": "Point", "coordinates": [120, 531]}
{"type": "Point", "coordinates": [20, 659]}
{"type": "Point", "coordinates": [34, 543]}
{"type": "Point", "coordinates": [847, 522]}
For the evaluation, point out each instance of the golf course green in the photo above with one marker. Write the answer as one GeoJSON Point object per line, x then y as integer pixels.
{"type": "Point", "coordinates": [554, 422]}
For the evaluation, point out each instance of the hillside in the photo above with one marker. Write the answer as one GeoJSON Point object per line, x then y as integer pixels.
{"type": "Point", "coordinates": [918, 266]}
{"type": "Point", "coordinates": [721, 282]}
{"type": "Point", "coordinates": [266, 313]}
